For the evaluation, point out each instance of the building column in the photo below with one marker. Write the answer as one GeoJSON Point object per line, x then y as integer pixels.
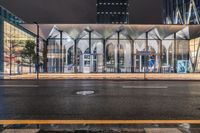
{"type": "Point", "coordinates": [132, 56]}
{"type": "Point", "coordinates": [55, 69]}
{"type": "Point", "coordinates": [146, 56]}
{"type": "Point", "coordinates": [1, 48]}
{"type": "Point", "coordinates": [66, 58]}
{"type": "Point", "coordinates": [51, 58]}
{"type": "Point", "coordinates": [61, 52]}
{"type": "Point", "coordinates": [118, 47]}
{"type": "Point", "coordinates": [75, 56]}
{"type": "Point", "coordinates": [90, 49]}
{"type": "Point", "coordinates": [161, 56]}
{"type": "Point", "coordinates": [104, 55]}
{"type": "Point", "coordinates": [175, 53]}
{"type": "Point", "coordinates": [37, 49]}
{"type": "Point", "coordinates": [45, 58]}
{"type": "Point", "coordinates": [141, 63]}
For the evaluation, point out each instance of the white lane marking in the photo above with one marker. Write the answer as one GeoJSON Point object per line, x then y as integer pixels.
{"type": "Point", "coordinates": [145, 87]}
{"type": "Point", "coordinates": [18, 86]}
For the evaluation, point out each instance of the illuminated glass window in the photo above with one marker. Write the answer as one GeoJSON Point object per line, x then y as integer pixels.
{"type": "Point", "coordinates": [14, 42]}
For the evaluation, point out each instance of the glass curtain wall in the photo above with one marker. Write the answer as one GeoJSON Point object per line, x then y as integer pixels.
{"type": "Point", "coordinates": [83, 55]}
{"type": "Point", "coordinates": [14, 43]}
{"type": "Point", "coordinates": [167, 55]}
{"type": "Point", "coordinates": [89, 52]}
{"type": "Point", "coordinates": [182, 56]}
{"type": "Point", "coordinates": [194, 56]}
{"type": "Point", "coordinates": [118, 54]}
{"type": "Point", "coordinates": [90, 58]}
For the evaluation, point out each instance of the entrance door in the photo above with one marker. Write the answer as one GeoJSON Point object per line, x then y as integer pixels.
{"type": "Point", "coordinates": [139, 62]}
{"type": "Point", "coordinates": [146, 61]}
{"type": "Point", "coordinates": [91, 63]}
{"type": "Point", "coordinates": [86, 63]}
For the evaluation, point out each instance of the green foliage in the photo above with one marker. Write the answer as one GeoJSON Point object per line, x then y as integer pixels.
{"type": "Point", "coordinates": [28, 54]}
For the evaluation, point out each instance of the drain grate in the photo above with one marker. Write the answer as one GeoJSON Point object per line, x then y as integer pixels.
{"type": "Point", "coordinates": [84, 93]}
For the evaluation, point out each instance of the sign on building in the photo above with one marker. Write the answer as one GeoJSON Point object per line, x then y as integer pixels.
{"type": "Point", "coordinates": [182, 66]}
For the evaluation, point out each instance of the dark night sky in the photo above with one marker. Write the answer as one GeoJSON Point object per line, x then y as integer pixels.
{"type": "Point", "coordinates": [79, 11]}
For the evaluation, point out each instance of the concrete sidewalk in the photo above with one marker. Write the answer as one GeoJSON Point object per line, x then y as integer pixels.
{"type": "Point", "coordinates": [103, 76]}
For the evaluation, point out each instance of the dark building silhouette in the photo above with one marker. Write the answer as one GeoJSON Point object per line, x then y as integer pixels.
{"type": "Point", "coordinates": [112, 11]}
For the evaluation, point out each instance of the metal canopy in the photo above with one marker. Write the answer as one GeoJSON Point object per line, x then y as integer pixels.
{"type": "Point", "coordinates": [105, 30]}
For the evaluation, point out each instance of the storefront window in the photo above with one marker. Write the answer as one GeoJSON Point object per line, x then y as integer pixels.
{"type": "Point", "coordinates": [167, 56]}
{"type": "Point", "coordinates": [182, 64]}
{"type": "Point", "coordinates": [14, 42]}
{"type": "Point", "coordinates": [194, 54]}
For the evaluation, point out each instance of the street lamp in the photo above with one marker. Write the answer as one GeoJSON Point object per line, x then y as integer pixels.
{"type": "Point", "coordinates": [37, 49]}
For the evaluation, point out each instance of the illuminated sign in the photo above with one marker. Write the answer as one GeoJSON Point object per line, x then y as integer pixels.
{"type": "Point", "coordinates": [182, 66]}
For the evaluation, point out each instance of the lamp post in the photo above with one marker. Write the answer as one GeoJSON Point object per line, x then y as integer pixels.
{"type": "Point", "coordinates": [37, 49]}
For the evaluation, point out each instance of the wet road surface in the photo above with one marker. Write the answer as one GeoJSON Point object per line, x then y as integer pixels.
{"type": "Point", "coordinates": [101, 100]}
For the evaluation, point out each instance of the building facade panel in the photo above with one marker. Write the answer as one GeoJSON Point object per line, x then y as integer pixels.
{"type": "Point", "coordinates": [101, 48]}
{"type": "Point", "coordinates": [181, 12]}
{"type": "Point", "coordinates": [123, 49]}
{"type": "Point", "coordinates": [13, 38]}
{"type": "Point", "coordinates": [112, 11]}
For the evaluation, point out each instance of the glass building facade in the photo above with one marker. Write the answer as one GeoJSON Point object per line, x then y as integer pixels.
{"type": "Point", "coordinates": [181, 11]}
{"type": "Point", "coordinates": [122, 48]}
{"type": "Point", "coordinates": [112, 11]}
{"type": "Point", "coordinates": [12, 41]}
{"type": "Point", "coordinates": [100, 48]}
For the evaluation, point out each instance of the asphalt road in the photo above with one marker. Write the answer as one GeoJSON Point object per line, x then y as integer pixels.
{"type": "Point", "coordinates": [112, 100]}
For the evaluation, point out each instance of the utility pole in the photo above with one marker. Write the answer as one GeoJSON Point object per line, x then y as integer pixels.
{"type": "Point", "coordinates": [37, 49]}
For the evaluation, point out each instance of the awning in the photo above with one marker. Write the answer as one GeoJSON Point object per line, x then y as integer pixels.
{"type": "Point", "coordinates": [106, 30]}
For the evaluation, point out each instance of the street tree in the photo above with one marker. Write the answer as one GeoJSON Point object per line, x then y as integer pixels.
{"type": "Point", "coordinates": [28, 54]}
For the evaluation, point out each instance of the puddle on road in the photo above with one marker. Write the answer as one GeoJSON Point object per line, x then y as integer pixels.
{"type": "Point", "coordinates": [84, 93]}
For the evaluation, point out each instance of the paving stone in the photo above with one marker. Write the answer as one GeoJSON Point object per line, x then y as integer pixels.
{"type": "Point", "coordinates": [20, 131]}
{"type": "Point", "coordinates": [132, 76]}
{"type": "Point", "coordinates": [162, 130]}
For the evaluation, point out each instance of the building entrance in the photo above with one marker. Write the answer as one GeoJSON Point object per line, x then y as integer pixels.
{"type": "Point", "coordinates": [91, 63]}
{"type": "Point", "coordinates": [146, 61]}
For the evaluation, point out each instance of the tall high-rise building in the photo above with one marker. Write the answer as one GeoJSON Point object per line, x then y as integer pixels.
{"type": "Point", "coordinates": [181, 11]}
{"type": "Point", "coordinates": [112, 11]}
